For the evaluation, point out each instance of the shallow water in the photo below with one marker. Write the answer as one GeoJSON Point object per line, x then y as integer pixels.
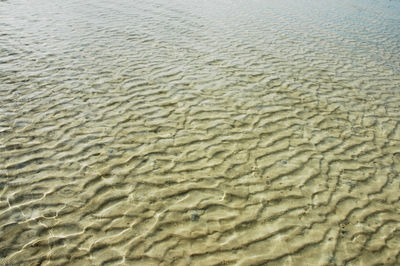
{"type": "Point", "coordinates": [199, 132]}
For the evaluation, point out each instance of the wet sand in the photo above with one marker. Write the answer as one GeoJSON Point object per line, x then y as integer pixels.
{"type": "Point", "coordinates": [199, 132]}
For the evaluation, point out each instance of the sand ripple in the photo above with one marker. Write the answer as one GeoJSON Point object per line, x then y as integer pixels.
{"type": "Point", "coordinates": [199, 132]}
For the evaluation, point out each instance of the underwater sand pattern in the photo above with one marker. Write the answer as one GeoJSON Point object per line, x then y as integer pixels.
{"type": "Point", "coordinates": [199, 132]}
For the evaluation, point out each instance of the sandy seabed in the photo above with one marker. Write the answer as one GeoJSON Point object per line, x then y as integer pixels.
{"type": "Point", "coordinates": [199, 132]}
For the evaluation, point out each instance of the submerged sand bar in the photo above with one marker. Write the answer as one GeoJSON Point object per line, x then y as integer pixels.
{"type": "Point", "coordinates": [185, 132]}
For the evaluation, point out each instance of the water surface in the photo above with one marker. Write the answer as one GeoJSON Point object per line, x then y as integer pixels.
{"type": "Point", "coordinates": [199, 132]}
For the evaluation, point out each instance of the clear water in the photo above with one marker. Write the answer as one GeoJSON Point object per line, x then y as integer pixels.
{"type": "Point", "coordinates": [199, 132]}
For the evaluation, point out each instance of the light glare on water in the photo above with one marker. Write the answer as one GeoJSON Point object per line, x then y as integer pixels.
{"type": "Point", "coordinates": [199, 132]}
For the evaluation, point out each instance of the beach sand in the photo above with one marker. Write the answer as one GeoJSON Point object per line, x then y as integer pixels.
{"type": "Point", "coordinates": [199, 132]}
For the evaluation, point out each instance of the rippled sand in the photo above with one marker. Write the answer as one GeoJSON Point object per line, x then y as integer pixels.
{"type": "Point", "coordinates": [199, 132]}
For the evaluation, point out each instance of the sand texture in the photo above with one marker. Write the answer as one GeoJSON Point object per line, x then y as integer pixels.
{"type": "Point", "coordinates": [204, 132]}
